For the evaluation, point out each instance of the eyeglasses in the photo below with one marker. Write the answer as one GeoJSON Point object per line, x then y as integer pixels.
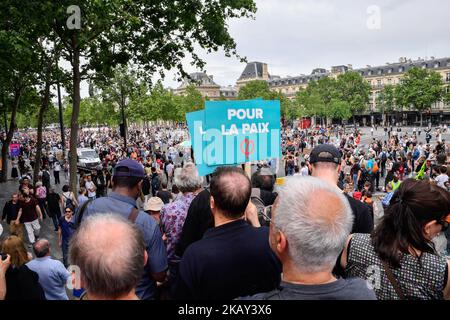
{"type": "Point", "coordinates": [266, 213]}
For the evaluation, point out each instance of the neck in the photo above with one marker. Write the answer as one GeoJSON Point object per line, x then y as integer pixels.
{"type": "Point", "coordinates": [124, 192]}
{"type": "Point", "coordinates": [292, 274]}
{"type": "Point", "coordinates": [327, 177]}
{"type": "Point", "coordinates": [128, 296]}
{"type": "Point", "coordinates": [220, 219]}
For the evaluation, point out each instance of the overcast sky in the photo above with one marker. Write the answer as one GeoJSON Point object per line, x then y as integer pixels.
{"type": "Point", "coordinates": [295, 36]}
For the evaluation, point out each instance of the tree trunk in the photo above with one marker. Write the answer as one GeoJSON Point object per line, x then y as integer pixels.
{"type": "Point", "coordinates": [75, 115]}
{"type": "Point", "coordinates": [10, 134]}
{"type": "Point", "coordinates": [421, 118]}
{"type": "Point", "coordinates": [42, 109]}
{"type": "Point", "coordinates": [354, 121]}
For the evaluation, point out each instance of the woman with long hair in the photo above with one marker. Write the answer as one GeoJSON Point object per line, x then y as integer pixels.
{"type": "Point", "coordinates": [399, 257]}
{"type": "Point", "coordinates": [21, 282]}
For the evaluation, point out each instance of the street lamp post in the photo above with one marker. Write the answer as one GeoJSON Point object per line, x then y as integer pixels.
{"type": "Point", "coordinates": [61, 122]}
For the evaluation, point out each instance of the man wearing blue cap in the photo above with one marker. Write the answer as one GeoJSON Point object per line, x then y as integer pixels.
{"type": "Point", "coordinates": [127, 183]}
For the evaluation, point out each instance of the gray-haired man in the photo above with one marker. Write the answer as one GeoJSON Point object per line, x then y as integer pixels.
{"type": "Point", "coordinates": [311, 221]}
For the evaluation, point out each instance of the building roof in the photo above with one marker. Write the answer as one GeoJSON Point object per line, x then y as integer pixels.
{"type": "Point", "coordinates": [303, 79]}
{"type": "Point", "coordinates": [200, 79]}
{"type": "Point", "coordinates": [252, 70]}
{"type": "Point", "coordinates": [401, 67]}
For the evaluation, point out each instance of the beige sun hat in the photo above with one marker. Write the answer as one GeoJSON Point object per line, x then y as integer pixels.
{"type": "Point", "coordinates": [153, 204]}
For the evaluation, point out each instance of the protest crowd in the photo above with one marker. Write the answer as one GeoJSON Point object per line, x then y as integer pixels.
{"type": "Point", "coordinates": [145, 225]}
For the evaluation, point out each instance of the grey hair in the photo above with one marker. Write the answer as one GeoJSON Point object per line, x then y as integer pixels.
{"type": "Point", "coordinates": [109, 251]}
{"type": "Point", "coordinates": [316, 228]}
{"type": "Point", "coordinates": [187, 178]}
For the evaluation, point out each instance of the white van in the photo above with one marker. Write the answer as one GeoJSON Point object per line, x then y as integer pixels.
{"type": "Point", "coordinates": [87, 158]}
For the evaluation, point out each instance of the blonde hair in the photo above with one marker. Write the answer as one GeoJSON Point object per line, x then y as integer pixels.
{"type": "Point", "coordinates": [15, 247]}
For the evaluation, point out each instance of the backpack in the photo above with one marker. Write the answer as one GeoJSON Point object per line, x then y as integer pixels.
{"type": "Point", "coordinates": [264, 214]}
{"type": "Point", "coordinates": [155, 182]}
{"type": "Point", "coordinates": [69, 202]}
{"type": "Point", "coordinates": [375, 167]}
{"type": "Point", "coordinates": [383, 157]}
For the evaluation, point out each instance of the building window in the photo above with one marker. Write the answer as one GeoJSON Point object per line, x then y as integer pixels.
{"type": "Point", "coordinates": [424, 66]}
{"type": "Point", "coordinates": [370, 72]}
{"type": "Point", "coordinates": [447, 78]}
{"type": "Point", "coordinates": [389, 81]}
{"type": "Point", "coordinates": [379, 83]}
{"type": "Point", "coordinates": [401, 69]}
{"type": "Point", "coordinates": [437, 65]}
{"type": "Point", "coordinates": [380, 71]}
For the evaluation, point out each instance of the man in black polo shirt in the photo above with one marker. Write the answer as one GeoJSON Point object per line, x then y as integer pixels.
{"type": "Point", "coordinates": [234, 258]}
{"type": "Point", "coordinates": [326, 165]}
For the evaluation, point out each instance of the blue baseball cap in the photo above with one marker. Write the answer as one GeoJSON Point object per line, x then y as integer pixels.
{"type": "Point", "coordinates": [129, 168]}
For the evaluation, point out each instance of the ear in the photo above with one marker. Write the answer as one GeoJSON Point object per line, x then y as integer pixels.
{"type": "Point", "coordinates": [280, 242]}
{"type": "Point", "coordinates": [145, 257]}
{"type": "Point", "coordinates": [211, 203]}
{"type": "Point", "coordinates": [428, 228]}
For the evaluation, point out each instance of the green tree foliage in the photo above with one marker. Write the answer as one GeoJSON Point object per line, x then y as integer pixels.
{"type": "Point", "coordinates": [192, 100]}
{"type": "Point", "coordinates": [322, 99]}
{"type": "Point", "coordinates": [260, 89]}
{"type": "Point", "coordinates": [447, 95]}
{"type": "Point", "coordinates": [339, 110]}
{"type": "Point", "coordinates": [256, 89]}
{"type": "Point", "coordinates": [354, 90]}
{"type": "Point", "coordinates": [420, 89]}
{"type": "Point", "coordinates": [386, 100]}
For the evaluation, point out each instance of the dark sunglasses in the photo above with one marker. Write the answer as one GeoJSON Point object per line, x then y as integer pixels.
{"type": "Point", "coordinates": [69, 211]}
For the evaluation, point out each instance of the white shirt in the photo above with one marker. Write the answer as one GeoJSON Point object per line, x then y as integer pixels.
{"type": "Point", "coordinates": [57, 167]}
{"type": "Point", "coordinates": [90, 185]}
{"type": "Point", "coordinates": [441, 180]}
{"type": "Point", "coordinates": [304, 171]}
{"type": "Point", "coordinates": [169, 169]}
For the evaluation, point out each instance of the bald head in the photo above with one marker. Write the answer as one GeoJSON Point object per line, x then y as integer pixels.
{"type": "Point", "coordinates": [316, 220]}
{"type": "Point", "coordinates": [41, 248]}
{"type": "Point", "coordinates": [109, 251]}
{"type": "Point", "coordinates": [230, 188]}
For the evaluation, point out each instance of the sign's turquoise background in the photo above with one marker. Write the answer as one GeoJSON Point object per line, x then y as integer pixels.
{"type": "Point", "coordinates": [209, 143]}
{"type": "Point", "coordinates": [222, 149]}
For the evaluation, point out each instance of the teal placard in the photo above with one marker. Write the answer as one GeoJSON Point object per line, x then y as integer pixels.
{"type": "Point", "coordinates": [241, 131]}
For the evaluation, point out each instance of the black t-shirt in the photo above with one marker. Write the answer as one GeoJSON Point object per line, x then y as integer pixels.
{"type": "Point", "coordinates": [355, 169]}
{"type": "Point", "coordinates": [29, 212]}
{"type": "Point", "coordinates": [23, 284]}
{"type": "Point", "coordinates": [165, 196]}
{"type": "Point", "coordinates": [10, 211]}
{"type": "Point", "coordinates": [363, 222]}
{"type": "Point", "coordinates": [53, 202]}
